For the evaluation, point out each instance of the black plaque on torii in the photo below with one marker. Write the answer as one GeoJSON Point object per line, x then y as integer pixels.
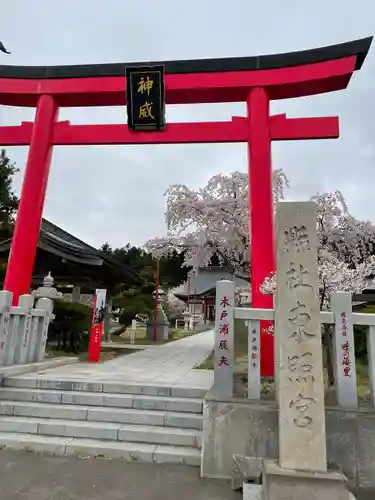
{"type": "Point", "coordinates": [145, 96]}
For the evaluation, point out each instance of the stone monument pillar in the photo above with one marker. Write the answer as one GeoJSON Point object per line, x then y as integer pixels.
{"type": "Point", "coordinates": [301, 472]}
{"type": "Point", "coordinates": [297, 328]}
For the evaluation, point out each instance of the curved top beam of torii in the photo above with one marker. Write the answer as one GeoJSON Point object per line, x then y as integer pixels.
{"type": "Point", "coordinates": [293, 74]}
{"type": "Point", "coordinates": [3, 49]}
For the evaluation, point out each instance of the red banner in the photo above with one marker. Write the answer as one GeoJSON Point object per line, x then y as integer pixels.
{"type": "Point", "coordinates": [97, 326]}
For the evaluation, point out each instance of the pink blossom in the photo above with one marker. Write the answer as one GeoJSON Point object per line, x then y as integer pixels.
{"type": "Point", "coordinates": [215, 220]}
{"type": "Point", "coordinates": [345, 259]}
{"type": "Point", "coordinates": [212, 220]}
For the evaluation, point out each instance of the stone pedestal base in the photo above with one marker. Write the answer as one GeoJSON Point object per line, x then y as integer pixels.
{"type": "Point", "coordinates": [252, 492]}
{"type": "Point", "coordinates": [246, 469]}
{"type": "Point", "coordinates": [284, 484]}
{"type": "Point", "coordinates": [161, 332]}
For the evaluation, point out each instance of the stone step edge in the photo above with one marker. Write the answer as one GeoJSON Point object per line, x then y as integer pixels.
{"type": "Point", "coordinates": [155, 430]}
{"type": "Point", "coordinates": [165, 414]}
{"type": "Point", "coordinates": [138, 397]}
{"type": "Point", "coordinates": [94, 393]}
{"type": "Point", "coordinates": [128, 451]}
{"type": "Point", "coordinates": [99, 387]}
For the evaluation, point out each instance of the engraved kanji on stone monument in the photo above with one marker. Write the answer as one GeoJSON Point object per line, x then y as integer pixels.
{"type": "Point", "coordinates": [297, 276]}
{"type": "Point", "coordinates": [300, 390]}
{"type": "Point", "coordinates": [296, 239]}
{"type": "Point", "coordinates": [300, 367]}
{"type": "Point", "coordinates": [224, 331]}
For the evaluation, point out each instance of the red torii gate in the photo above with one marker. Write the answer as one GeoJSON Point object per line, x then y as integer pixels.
{"type": "Point", "coordinates": [254, 80]}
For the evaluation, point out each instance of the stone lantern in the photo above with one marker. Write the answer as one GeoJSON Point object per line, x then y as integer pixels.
{"type": "Point", "coordinates": [47, 291]}
{"type": "Point", "coordinates": [162, 325]}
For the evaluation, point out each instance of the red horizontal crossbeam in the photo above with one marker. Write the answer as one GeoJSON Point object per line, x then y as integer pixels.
{"type": "Point", "coordinates": [16, 135]}
{"type": "Point", "coordinates": [187, 88]}
{"type": "Point", "coordinates": [174, 133]}
{"type": "Point", "coordinates": [282, 128]}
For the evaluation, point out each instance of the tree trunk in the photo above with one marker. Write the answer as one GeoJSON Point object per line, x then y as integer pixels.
{"type": "Point", "coordinates": [328, 354]}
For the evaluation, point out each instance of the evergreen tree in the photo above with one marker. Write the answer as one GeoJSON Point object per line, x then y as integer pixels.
{"type": "Point", "coordinates": [172, 271]}
{"type": "Point", "coordinates": [8, 200]}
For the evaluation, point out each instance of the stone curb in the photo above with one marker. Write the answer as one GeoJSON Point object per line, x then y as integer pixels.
{"type": "Point", "coordinates": [10, 371]}
{"type": "Point", "coordinates": [133, 347]}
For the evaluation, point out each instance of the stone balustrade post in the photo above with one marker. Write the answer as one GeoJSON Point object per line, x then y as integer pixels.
{"type": "Point", "coordinates": [344, 353]}
{"type": "Point", "coordinates": [26, 303]}
{"type": "Point", "coordinates": [11, 340]}
{"type": "Point", "coordinates": [224, 339]}
{"type": "Point", "coordinates": [42, 333]}
{"type": "Point", "coordinates": [5, 308]}
{"type": "Point", "coordinates": [253, 378]}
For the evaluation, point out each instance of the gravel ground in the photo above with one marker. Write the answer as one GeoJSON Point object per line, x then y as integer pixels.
{"type": "Point", "coordinates": [36, 477]}
{"type": "Point", "coordinates": [41, 477]}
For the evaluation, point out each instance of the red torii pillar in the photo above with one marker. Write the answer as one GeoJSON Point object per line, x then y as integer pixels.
{"type": "Point", "coordinates": [29, 217]}
{"type": "Point", "coordinates": [262, 244]}
{"type": "Point", "coordinates": [262, 129]}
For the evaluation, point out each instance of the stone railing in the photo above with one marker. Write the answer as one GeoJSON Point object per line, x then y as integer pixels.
{"type": "Point", "coordinates": [23, 329]}
{"type": "Point", "coordinates": [341, 317]}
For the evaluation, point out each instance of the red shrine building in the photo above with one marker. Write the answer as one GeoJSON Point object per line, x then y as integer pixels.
{"type": "Point", "coordinates": [199, 292]}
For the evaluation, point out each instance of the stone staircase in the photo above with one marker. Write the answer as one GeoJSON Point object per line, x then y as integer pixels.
{"type": "Point", "coordinates": [145, 423]}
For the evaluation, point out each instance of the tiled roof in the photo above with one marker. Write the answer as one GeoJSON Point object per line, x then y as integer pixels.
{"type": "Point", "coordinates": [58, 242]}
{"type": "Point", "coordinates": [206, 281]}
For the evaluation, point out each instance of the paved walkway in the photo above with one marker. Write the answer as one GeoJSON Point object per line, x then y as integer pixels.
{"type": "Point", "coordinates": [35, 477]}
{"type": "Point", "coordinates": [169, 364]}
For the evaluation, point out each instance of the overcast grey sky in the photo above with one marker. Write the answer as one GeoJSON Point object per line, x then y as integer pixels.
{"type": "Point", "coordinates": [115, 194]}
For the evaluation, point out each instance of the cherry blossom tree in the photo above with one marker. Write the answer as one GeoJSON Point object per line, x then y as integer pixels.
{"type": "Point", "coordinates": [212, 221]}
{"type": "Point", "coordinates": [173, 306]}
{"type": "Point", "coordinates": [345, 259]}
{"type": "Point", "coordinates": [346, 249]}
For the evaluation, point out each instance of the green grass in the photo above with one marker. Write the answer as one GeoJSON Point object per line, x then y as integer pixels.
{"type": "Point", "coordinates": [208, 363]}
{"type": "Point", "coordinates": [123, 338]}
{"type": "Point", "coordinates": [117, 330]}
{"type": "Point", "coordinates": [363, 381]}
